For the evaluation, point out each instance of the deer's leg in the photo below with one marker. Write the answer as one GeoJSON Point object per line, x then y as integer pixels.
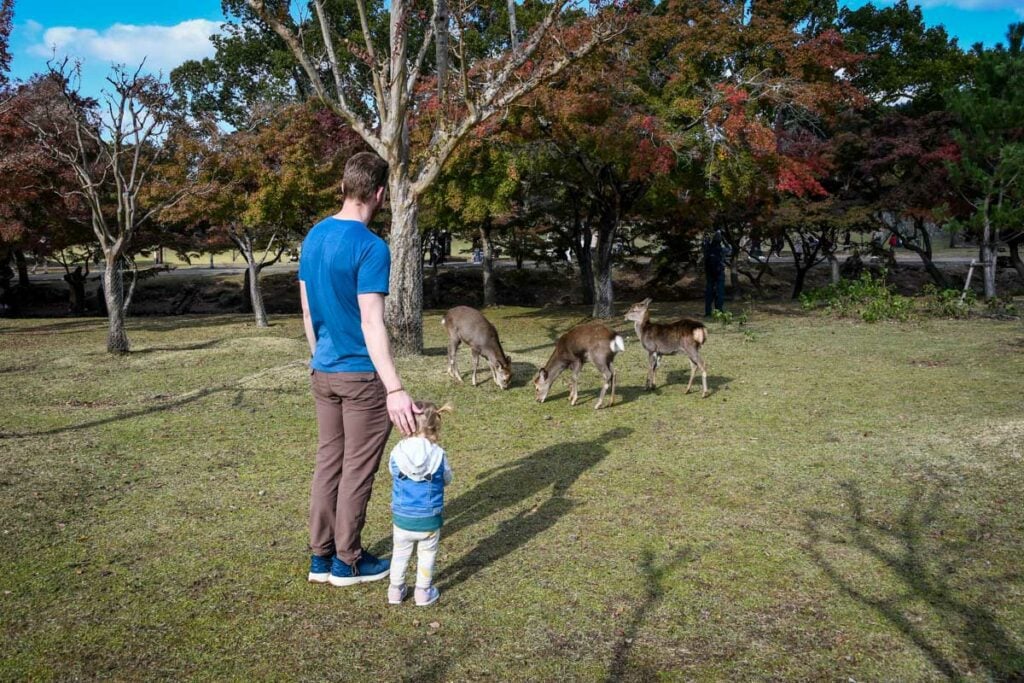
{"type": "Point", "coordinates": [697, 363]}
{"type": "Point", "coordinates": [453, 348]}
{"type": "Point", "coordinates": [609, 381]}
{"type": "Point", "coordinates": [693, 370]}
{"type": "Point", "coordinates": [654, 360]}
{"type": "Point", "coordinates": [476, 364]}
{"type": "Point", "coordinates": [574, 383]}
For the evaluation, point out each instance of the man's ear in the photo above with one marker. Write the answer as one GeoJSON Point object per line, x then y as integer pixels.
{"type": "Point", "coordinates": [380, 196]}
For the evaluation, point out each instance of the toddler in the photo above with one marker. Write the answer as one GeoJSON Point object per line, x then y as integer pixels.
{"type": "Point", "coordinates": [419, 469]}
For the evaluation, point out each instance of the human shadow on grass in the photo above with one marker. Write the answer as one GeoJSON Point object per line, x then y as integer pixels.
{"type": "Point", "coordinates": [557, 467]}
{"type": "Point", "coordinates": [920, 560]}
{"type": "Point", "coordinates": [655, 577]}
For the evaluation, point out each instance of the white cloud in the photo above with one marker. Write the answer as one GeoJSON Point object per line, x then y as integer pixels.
{"type": "Point", "coordinates": [163, 47]}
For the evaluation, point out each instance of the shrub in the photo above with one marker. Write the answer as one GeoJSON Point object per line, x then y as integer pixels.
{"type": "Point", "coordinates": [946, 303]}
{"type": "Point", "coordinates": [1002, 307]}
{"type": "Point", "coordinates": [868, 297]}
{"type": "Point", "coordinates": [726, 318]}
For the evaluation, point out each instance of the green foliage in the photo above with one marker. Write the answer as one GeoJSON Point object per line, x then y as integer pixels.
{"type": "Point", "coordinates": [990, 172]}
{"type": "Point", "coordinates": [1002, 307]}
{"type": "Point", "coordinates": [726, 318]}
{"type": "Point", "coordinates": [947, 303]}
{"type": "Point", "coordinates": [869, 298]}
{"type": "Point", "coordinates": [905, 59]}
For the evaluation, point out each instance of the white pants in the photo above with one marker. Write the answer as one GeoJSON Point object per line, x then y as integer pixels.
{"type": "Point", "coordinates": [426, 551]}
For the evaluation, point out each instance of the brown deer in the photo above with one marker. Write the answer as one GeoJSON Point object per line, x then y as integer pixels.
{"type": "Point", "coordinates": [468, 325]}
{"type": "Point", "coordinates": [667, 339]}
{"type": "Point", "coordinates": [590, 341]}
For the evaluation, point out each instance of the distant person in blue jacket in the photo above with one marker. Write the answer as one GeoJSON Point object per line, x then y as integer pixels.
{"type": "Point", "coordinates": [419, 470]}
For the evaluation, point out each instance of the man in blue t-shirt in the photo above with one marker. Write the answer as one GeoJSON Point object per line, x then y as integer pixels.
{"type": "Point", "coordinates": [343, 279]}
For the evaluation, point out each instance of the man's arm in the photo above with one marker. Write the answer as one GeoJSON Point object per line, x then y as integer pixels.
{"type": "Point", "coordinates": [307, 320]}
{"type": "Point", "coordinates": [400, 407]}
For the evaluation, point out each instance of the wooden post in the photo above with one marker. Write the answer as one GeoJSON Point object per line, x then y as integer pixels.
{"type": "Point", "coordinates": [967, 284]}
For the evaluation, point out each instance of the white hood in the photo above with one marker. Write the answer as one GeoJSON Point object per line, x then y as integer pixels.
{"type": "Point", "coordinates": [416, 457]}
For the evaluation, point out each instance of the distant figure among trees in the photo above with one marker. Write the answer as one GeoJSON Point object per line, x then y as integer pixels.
{"type": "Point", "coordinates": [714, 272]}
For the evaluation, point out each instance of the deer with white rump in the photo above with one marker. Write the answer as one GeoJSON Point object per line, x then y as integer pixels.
{"type": "Point", "coordinates": [468, 325]}
{"type": "Point", "coordinates": [590, 341]}
{"type": "Point", "coordinates": [667, 339]}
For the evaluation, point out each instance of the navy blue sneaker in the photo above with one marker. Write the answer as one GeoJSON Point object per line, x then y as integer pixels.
{"type": "Point", "coordinates": [320, 568]}
{"type": "Point", "coordinates": [368, 568]}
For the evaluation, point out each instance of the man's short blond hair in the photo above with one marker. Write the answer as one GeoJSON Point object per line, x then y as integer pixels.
{"type": "Point", "coordinates": [365, 173]}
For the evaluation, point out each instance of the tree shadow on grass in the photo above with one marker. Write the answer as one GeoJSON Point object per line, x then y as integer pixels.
{"type": "Point", "coordinates": [918, 559]}
{"type": "Point", "coordinates": [553, 332]}
{"type": "Point", "coordinates": [557, 467]}
{"type": "Point", "coordinates": [197, 346]}
{"type": "Point", "coordinates": [161, 404]}
{"type": "Point", "coordinates": [63, 327]}
{"type": "Point", "coordinates": [655, 577]}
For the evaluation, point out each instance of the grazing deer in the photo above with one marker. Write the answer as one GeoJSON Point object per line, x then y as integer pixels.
{"type": "Point", "coordinates": [667, 339]}
{"type": "Point", "coordinates": [465, 324]}
{"type": "Point", "coordinates": [590, 341]}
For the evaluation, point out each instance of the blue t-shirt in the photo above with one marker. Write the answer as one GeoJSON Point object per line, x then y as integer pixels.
{"type": "Point", "coordinates": [340, 260]}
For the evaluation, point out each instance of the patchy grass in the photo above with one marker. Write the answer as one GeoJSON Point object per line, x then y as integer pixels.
{"type": "Point", "coordinates": [844, 505]}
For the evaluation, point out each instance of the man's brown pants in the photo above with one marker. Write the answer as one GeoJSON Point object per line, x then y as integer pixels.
{"type": "Point", "coordinates": [352, 416]}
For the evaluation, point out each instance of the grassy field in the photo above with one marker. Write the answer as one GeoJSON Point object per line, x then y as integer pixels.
{"type": "Point", "coordinates": [844, 506]}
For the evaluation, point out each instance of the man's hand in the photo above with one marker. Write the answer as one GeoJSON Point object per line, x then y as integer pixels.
{"type": "Point", "coordinates": [402, 412]}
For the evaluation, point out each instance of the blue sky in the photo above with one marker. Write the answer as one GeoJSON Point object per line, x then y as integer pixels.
{"type": "Point", "coordinates": [168, 32]}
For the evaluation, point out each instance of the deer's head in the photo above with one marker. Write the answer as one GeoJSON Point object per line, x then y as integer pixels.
{"type": "Point", "coordinates": [638, 312]}
{"type": "Point", "coordinates": [541, 385]}
{"type": "Point", "coordinates": [503, 373]}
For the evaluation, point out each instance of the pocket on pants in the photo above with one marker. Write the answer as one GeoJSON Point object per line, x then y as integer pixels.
{"type": "Point", "coordinates": [362, 387]}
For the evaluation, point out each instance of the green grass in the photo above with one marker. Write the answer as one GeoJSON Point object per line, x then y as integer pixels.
{"type": "Point", "coordinates": [845, 505]}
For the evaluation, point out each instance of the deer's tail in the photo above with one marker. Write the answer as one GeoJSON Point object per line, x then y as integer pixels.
{"type": "Point", "coordinates": [617, 344]}
{"type": "Point", "coordinates": [700, 335]}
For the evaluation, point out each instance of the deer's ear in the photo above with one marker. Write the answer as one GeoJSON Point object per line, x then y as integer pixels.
{"type": "Point", "coordinates": [647, 301]}
{"type": "Point", "coordinates": [508, 360]}
{"type": "Point", "coordinates": [542, 375]}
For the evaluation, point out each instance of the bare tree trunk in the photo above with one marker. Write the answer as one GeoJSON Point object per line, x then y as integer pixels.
{"type": "Point", "coordinates": [604, 296]}
{"type": "Point", "coordinates": [76, 284]}
{"type": "Point", "coordinates": [834, 263]}
{"type": "Point", "coordinates": [1015, 260]}
{"type": "Point", "coordinates": [988, 254]}
{"type": "Point", "coordinates": [798, 282]}
{"type": "Point", "coordinates": [441, 21]}
{"type": "Point", "coordinates": [252, 295]}
{"type": "Point", "coordinates": [256, 295]}
{"type": "Point", "coordinates": [490, 290]}
{"type": "Point", "coordinates": [925, 254]}
{"type": "Point", "coordinates": [404, 305]}
{"type": "Point", "coordinates": [22, 263]}
{"type": "Point", "coordinates": [584, 257]}
{"type": "Point", "coordinates": [113, 292]}
{"type": "Point", "coordinates": [512, 29]}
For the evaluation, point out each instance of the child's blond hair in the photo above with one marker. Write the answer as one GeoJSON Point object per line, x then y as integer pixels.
{"type": "Point", "coordinates": [428, 421]}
